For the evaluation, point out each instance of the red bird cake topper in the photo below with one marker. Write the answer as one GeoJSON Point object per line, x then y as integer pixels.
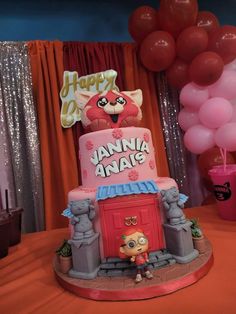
{"type": "Point", "coordinates": [110, 109]}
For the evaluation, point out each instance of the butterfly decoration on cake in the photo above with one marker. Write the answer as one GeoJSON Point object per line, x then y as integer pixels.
{"type": "Point", "coordinates": [183, 198]}
{"type": "Point", "coordinates": [109, 109]}
{"type": "Point", "coordinates": [67, 213]}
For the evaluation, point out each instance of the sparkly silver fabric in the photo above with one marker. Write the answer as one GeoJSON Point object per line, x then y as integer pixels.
{"type": "Point", "coordinates": [169, 108]}
{"type": "Point", "coordinates": [19, 133]}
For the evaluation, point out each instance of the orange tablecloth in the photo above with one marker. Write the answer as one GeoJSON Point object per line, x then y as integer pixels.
{"type": "Point", "coordinates": [28, 285]}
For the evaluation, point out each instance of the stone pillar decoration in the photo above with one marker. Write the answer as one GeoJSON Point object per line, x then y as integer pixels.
{"type": "Point", "coordinates": [177, 230]}
{"type": "Point", "coordinates": [84, 242]}
{"type": "Point", "coordinates": [179, 242]}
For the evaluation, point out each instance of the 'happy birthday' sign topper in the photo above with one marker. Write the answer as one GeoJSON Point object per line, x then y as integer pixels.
{"type": "Point", "coordinates": [97, 82]}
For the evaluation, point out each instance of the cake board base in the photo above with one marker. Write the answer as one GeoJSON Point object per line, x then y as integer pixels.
{"type": "Point", "coordinates": [166, 280]}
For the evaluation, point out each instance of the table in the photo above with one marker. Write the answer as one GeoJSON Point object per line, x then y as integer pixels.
{"type": "Point", "coordinates": [28, 284]}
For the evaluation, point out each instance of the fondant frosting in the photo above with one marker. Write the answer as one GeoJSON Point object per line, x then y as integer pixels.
{"type": "Point", "coordinates": [116, 156]}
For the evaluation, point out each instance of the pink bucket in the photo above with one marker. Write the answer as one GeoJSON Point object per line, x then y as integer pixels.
{"type": "Point", "coordinates": [224, 182]}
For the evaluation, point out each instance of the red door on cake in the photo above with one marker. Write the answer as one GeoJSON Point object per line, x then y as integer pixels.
{"type": "Point", "coordinates": [132, 211]}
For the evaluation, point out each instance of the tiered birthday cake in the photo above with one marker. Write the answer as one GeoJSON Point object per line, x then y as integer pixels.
{"type": "Point", "coordinates": [126, 222]}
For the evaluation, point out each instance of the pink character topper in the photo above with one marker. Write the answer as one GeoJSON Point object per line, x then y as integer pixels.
{"type": "Point", "coordinates": [110, 109]}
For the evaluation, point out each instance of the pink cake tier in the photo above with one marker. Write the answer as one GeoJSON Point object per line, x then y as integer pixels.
{"type": "Point", "coordinates": [116, 156]}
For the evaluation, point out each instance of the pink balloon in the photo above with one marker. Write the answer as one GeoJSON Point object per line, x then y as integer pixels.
{"type": "Point", "coordinates": [233, 102]}
{"type": "Point", "coordinates": [225, 136]}
{"type": "Point", "coordinates": [198, 139]}
{"type": "Point", "coordinates": [215, 112]}
{"type": "Point", "coordinates": [231, 66]}
{"type": "Point", "coordinates": [225, 87]}
{"type": "Point", "coordinates": [187, 119]}
{"type": "Point", "coordinates": [233, 119]}
{"type": "Point", "coordinates": [193, 96]}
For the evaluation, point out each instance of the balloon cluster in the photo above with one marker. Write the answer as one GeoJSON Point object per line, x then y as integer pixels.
{"type": "Point", "coordinates": [208, 116]}
{"type": "Point", "coordinates": [199, 57]}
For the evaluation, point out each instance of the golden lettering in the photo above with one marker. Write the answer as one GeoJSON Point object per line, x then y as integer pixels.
{"type": "Point", "coordinates": [110, 81]}
{"type": "Point", "coordinates": [90, 81]}
{"type": "Point", "coordinates": [82, 83]}
{"type": "Point", "coordinates": [70, 113]}
{"type": "Point", "coordinates": [67, 121]}
{"type": "Point", "coordinates": [75, 81]}
{"type": "Point", "coordinates": [67, 84]}
{"type": "Point", "coordinates": [99, 79]}
{"type": "Point", "coordinates": [69, 107]}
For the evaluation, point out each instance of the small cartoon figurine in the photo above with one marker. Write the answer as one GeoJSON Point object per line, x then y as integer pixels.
{"type": "Point", "coordinates": [135, 246]}
{"type": "Point", "coordinates": [83, 212]}
{"type": "Point", "coordinates": [173, 205]}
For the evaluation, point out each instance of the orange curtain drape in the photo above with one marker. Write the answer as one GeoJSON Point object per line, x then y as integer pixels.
{"type": "Point", "coordinates": [58, 157]}
{"type": "Point", "coordinates": [136, 76]}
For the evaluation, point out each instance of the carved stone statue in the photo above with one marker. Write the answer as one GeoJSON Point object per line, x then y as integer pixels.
{"type": "Point", "coordinates": [173, 206]}
{"type": "Point", "coordinates": [83, 213]}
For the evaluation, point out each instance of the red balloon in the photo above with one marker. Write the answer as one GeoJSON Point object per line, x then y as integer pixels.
{"type": "Point", "coordinates": [208, 21]}
{"type": "Point", "coordinates": [190, 42]}
{"type": "Point", "coordinates": [157, 51]}
{"type": "Point", "coordinates": [223, 42]}
{"type": "Point", "coordinates": [210, 158]}
{"type": "Point", "coordinates": [175, 15]}
{"type": "Point", "coordinates": [143, 21]}
{"type": "Point", "coordinates": [206, 68]}
{"type": "Point", "coordinates": [177, 74]}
